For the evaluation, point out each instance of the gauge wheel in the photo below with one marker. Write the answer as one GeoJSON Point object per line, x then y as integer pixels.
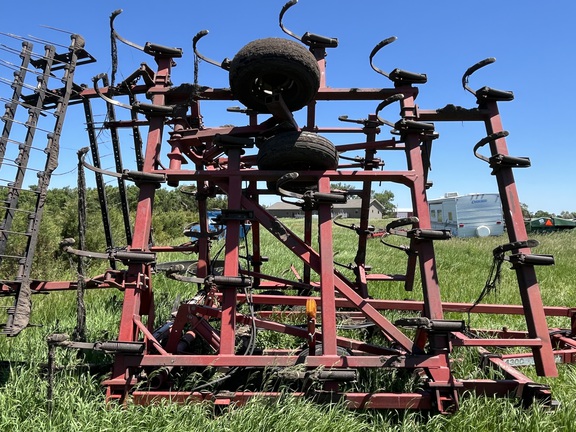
{"type": "Point", "coordinates": [296, 152]}
{"type": "Point", "coordinates": [274, 66]}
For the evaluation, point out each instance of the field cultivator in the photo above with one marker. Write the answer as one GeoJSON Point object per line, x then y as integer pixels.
{"type": "Point", "coordinates": [214, 332]}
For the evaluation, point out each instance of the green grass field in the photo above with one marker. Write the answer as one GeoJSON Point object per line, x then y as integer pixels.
{"type": "Point", "coordinates": [463, 266]}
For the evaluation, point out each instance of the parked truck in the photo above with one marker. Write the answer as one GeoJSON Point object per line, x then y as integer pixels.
{"type": "Point", "coordinates": [471, 215]}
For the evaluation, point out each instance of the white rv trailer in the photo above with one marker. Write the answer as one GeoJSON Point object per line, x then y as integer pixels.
{"type": "Point", "coordinates": [472, 215]}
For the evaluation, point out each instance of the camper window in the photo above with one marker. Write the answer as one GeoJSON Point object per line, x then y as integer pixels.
{"type": "Point", "coordinates": [439, 216]}
{"type": "Point", "coordinates": [450, 216]}
{"type": "Point", "coordinates": [432, 214]}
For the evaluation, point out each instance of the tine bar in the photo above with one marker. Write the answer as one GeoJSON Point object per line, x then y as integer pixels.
{"type": "Point", "coordinates": [19, 318]}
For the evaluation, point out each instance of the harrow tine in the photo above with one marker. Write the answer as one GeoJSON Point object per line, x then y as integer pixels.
{"type": "Point", "coordinates": [44, 41]}
{"type": "Point", "coordinates": [16, 67]}
{"type": "Point", "coordinates": [31, 38]}
{"type": "Point", "coordinates": [6, 119]}
{"type": "Point", "coordinates": [43, 112]}
{"type": "Point", "coordinates": [57, 29]}
{"type": "Point", "coordinates": [28, 86]}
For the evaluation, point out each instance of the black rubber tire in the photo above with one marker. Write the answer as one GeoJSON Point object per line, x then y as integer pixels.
{"type": "Point", "coordinates": [272, 65]}
{"type": "Point", "coordinates": [297, 151]}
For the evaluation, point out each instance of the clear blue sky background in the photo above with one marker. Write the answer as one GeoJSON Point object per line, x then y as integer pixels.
{"type": "Point", "coordinates": [533, 43]}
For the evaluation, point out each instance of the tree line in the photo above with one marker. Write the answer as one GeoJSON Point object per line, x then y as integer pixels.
{"type": "Point", "coordinates": [527, 214]}
{"type": "Point", "coordinates": [174, 209]}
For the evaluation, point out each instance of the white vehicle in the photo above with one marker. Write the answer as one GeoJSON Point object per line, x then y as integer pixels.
{"type": "Point", "coordinates": [472, 215]}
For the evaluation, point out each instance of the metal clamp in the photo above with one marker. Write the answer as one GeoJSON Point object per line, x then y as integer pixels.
{"type": "Point", "coordinates": [416, 233]}
{"type": "Point", "coordinates": [485, 93]}
{"type": "Point", "coordinates": [224, 64]}
{"type": "Point", "coordinates": [309, 200]}
{"type": "Point", "coordinates": [531, 259]}
{"type": "Point", "coordinates": [364, 163]}
{"type": "Point", "coordinates": [522, 258]}
{"type": "Point", "coordinates": [144, 108]}
{"type": "Point", "coordinates": [310, 39]}
{"type": "Point", "coordinates": [499, 161]}
{"type": "Point", "coordinates": [432, 325]}
{"type": "Point", "coordinates": [125, 256]}
{"type": "Point", "coordinates": [412, 126]}
{"type": "Point", "coordinates": [234, 215]}
{"type": "Point", "coordinates": [391, 228]}
{"type": "Point", "coordinates": [148, 48]}
{"type": "Point", "coordinates": [227, 142]}
{"type": "Point", "coordinates": [368, 231]}
{"type": "Point", "coordinates": [215, 234]}
{"type": "Point", "coordinates": [398, 76]}
{"type": "Point", "coordinates": [429, 234]}
{"type": "Point", "coordinates": [229, 281]}
{"type": "Point", "coordinates": [135, 176]}
{"type": "Point", "coordinates": [114, 347]}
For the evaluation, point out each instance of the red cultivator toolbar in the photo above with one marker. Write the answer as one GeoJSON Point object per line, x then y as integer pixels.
{"type": "Point", "coordinates": [271, 153]}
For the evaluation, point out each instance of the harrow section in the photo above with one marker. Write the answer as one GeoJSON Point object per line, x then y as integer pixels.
{"type": "Point", "coordinates": [235, 297]}
{"type": "Point", "coordinates": [21, 155]}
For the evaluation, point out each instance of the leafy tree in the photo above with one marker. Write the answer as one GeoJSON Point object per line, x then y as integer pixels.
{"type": "Point", "coordinates": [385, 198]}
{"type": "Point", "coordinates": [218, 202]}
{"type": "Point", "coordinates": [342, 187]}
{"type": "Point", "coordinates": [568, 215]}
{"type": "Point", "coordinates": [542, 213]}
{"type": "Point", "coordinates": [525, 212]}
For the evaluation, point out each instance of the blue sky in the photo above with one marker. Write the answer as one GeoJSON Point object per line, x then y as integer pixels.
{"type": "Point", "coordinates": [532, 41]}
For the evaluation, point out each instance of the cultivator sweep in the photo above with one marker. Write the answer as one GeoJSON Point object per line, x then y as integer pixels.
{"type": "Point", "coordinates": [232, 298]}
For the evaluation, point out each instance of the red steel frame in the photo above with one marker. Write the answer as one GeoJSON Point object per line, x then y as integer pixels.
{"type": "Point", "coordinates": [428, 351]}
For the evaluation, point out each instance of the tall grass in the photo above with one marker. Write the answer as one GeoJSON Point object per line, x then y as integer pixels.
{"type": "Point", "coordinates": [462, 264]}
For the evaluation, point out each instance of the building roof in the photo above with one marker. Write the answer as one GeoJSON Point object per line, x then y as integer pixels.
{"type": "Point", "coordinates": [350, 204]}
{"type": "Point", "coordinates": [281, 205]}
